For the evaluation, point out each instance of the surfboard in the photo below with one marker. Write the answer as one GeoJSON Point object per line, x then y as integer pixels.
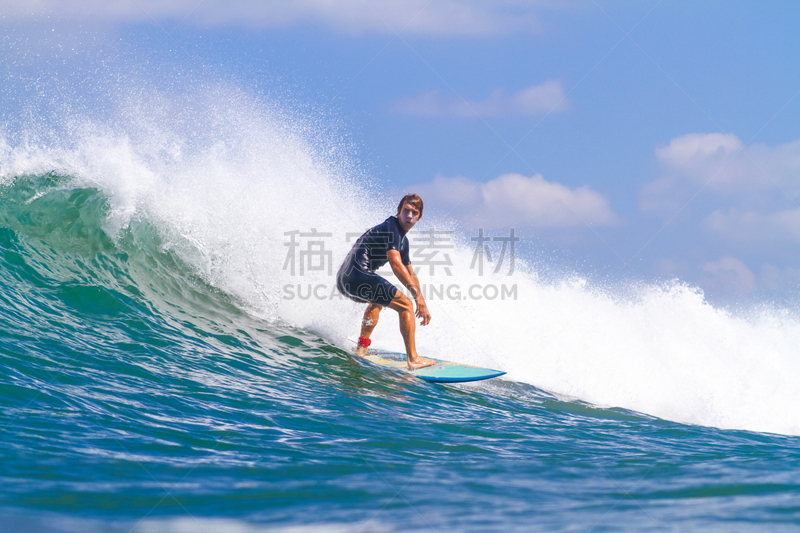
{"type": "Point", "coordinates": [441, 372]}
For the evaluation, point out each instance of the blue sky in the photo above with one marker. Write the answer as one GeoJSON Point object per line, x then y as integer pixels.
{"type": "Point", "coordinates": [645, 140]}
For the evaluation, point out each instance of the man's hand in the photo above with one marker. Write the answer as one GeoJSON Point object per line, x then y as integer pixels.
{"type": "Point", "coordinates": [422, 312]}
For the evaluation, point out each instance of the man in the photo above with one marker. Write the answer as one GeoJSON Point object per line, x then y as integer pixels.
{"type": "Point", "coordinates": [358, 281]}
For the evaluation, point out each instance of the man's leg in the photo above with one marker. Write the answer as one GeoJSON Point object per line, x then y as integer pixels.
{"type": "Point", "coordinates": [402, 304]}
{"type": "Point", "coordinates": [368, 324]}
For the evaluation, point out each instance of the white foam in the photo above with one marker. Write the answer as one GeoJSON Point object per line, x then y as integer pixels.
{"type": "Point", "coordinates": [225, 176]}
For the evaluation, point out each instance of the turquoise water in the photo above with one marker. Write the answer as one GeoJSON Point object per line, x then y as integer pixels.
{"type": "Point", "coordinates": [137, 395]}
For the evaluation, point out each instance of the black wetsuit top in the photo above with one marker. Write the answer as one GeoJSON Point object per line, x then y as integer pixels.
{"type": "Point", "coordinates": [357, 278]}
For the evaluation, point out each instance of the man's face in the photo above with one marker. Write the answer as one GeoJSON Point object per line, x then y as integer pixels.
{"type": "Point", "coordinates": [408, 216]}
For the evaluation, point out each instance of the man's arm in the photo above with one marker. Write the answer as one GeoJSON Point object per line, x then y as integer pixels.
{"type": "Point", "coordinates": [407, 276]}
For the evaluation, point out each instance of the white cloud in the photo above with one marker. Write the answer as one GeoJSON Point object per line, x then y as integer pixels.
{"type": "Point", "coordinates": [441, 18]}
{"type": "Point", "coordinates": [730, 274]}
{"type": "Point", "coordinates": [698, 150]}
{"type": "Point", "coordinates": [727, 166]}
{"type": "Point", "coordinates": [518, 201]}
{"type": "Point", "coordinates": [742, 198]}
{"type": "Point", "coordinates": [752, 228]}
{"type": "Point", "coordinates": [720, 164]}
{"type": "Point", "coordinates": [535, 100]}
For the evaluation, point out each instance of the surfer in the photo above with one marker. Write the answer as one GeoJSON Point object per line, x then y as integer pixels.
{"type": "Point", "coordinates": [358, 281]}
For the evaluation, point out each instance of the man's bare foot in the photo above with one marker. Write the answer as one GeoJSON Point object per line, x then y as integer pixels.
{"type": "Point", "coordinates": [361, 351]}
{"type": "Point", "coordinates": [420, 362]}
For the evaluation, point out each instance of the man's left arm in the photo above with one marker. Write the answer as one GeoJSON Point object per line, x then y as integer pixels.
{"type": "Point", "coordinates": [407, 276]}
{"type": "Point", "coordinates": [422, 307]}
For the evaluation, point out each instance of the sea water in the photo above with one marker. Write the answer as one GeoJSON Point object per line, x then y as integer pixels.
{"type": "Point", "coordinates": [175, 359]}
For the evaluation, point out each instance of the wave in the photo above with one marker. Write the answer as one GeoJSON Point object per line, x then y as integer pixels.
{"type": "Point", "coordinates": [187, 204]}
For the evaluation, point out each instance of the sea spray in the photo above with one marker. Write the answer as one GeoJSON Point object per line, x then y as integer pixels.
{"type": "Point", "coordinates": [239, 189]}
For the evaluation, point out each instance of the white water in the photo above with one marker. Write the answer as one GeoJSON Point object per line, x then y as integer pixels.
{"type": "Point", "coordinates": [225, 176]}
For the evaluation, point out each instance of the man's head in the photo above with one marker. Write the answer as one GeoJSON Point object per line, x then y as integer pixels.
{"type": "Point", "coordinates": [409, 210]}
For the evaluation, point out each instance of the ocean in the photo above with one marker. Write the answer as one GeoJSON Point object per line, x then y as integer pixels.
{"type": "Point", "coordinates": [175, 359]}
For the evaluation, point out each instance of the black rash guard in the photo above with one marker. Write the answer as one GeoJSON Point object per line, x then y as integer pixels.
{"type": "Point", "coordinates": [357, 278]}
